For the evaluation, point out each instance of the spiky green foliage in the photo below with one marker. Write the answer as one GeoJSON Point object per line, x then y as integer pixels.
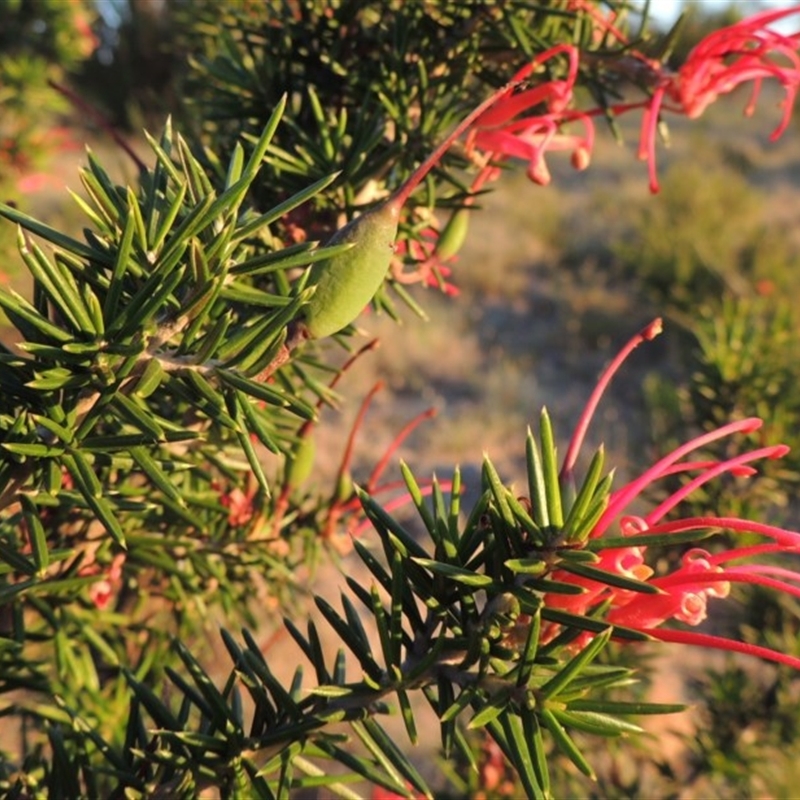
{"type": "Point", "coordinates": [458, 618]}
{"type": "Point", "coordinates": [135, 400]}
{"type": "Point", "coordinates": [155, 416]}
{"type": "Point", "coordinates": [373, 88]}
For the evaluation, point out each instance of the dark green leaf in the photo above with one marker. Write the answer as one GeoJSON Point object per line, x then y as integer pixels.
{"type": "Point", "coordinates": [360, 649]}
{"type": "Point", "coordinates": [573, 668]}
{"type": "Point", "coordinates": [565, 743]}
{"type": "Point", "coordinates": [618, 707]}
{"type": "Point", "coordinates": [608, 578]}
{"type": "Point", "coordinates": [286, 206]}
{"type": "Point", "coordinates": [156, 474]}
{"type": "Point", "coordinates": [458, 574]}
{"type": "Point", "coordinates": [527, 566]}
{"type": "Point", "coordinates": [489, 712]}
{"type": "Point", "coordinates": [550, 470]}
{"type": "Point", "coordinates": [87, 483]}
{"type": "Point", "coordinates": [18, 308]}
{"type": "Point", "coordinates": [137, 416]}
{"type": "Point", "coordinates": [398, 759]}
{"type": "Point", "coordinates": [51, 235]}
{"type": "Point", "coordinates": [595, 723]}
{"type": "Point", "coordinates": [573, 522]}
{"type": "Point", "coordinates": [585, 623]}
{"type": "Point", "coordinates": [523, 754]}
{"type": "Point", "coordinates": [266, 393]}
{"type": "Point", "coordinates": [38, 539]}
{"type": "Point", "coordinates": [536, 482]}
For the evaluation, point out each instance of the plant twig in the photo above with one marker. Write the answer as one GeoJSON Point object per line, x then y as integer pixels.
{"type": "Point", "coordinates": [100, 119]}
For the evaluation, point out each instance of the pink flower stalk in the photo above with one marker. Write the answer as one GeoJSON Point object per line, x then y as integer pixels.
{"type": "Point", "coordinates": [349, 508]}
{"type": "Point", "coordinates": [648, 333]}
{"type": "Point", "coordinates": [683, 594]}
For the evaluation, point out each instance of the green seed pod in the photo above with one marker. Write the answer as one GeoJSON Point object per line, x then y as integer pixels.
{"type": "Point", "coordinates": [347, 282]}
{"type": "Point", "coordinates": [344, 487]}
{"type": "Point", "coordinates": [453, 235]}
{"type": "Point", "coordinates": [300, 461]}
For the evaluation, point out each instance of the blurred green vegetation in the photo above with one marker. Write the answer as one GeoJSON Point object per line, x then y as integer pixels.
{"type": "Point", "coordinates": [40, 41]}
{"type": "Point", "coordinates": [705, 237]}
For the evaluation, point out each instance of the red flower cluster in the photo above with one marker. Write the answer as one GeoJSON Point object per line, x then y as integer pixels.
{"type": "Point", "coordinates": [683, 593]}
{"type": "Point", "coordinates": [526, 123]}
{"type": "Point", "coordinates": [748, 51]}
{"type": "Point", "coordinates": [506, 130]}
{"type": "Point", "coordinates": [528, 117]}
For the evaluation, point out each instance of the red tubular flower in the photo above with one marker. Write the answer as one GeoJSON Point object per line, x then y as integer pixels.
{"type": "Point", "coordinates": [513, 127]}
{"type": "Point", "coordinates": [527, 123]}
{"type": "Point", "coordinates": [429, 269]}
{"type": "Point", "coordinates": [682, 595]}
{"type": "Point", "coordinates": [746, 51]}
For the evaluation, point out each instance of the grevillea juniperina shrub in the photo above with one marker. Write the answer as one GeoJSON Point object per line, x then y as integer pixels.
{"type": "Point", "coordinates": [164, 389]}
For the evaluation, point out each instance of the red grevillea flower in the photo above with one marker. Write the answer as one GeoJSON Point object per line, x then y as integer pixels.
{"type": "Point", "coordinates": [749, 51]}
{"type": "Point", "coordinates": [683, 593]}
{"type": "Point", "coordinates": [746, 51]}
{"type": "Point", "coordinates": [429, 268]}
{"type": "Point", "coordinates": [515, 127]}
{"type": "Point", "coordinates": [526, 123]}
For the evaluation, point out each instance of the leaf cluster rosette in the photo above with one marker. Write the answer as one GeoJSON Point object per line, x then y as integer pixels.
{"type": "Point", "coordinates": [149, 372]}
